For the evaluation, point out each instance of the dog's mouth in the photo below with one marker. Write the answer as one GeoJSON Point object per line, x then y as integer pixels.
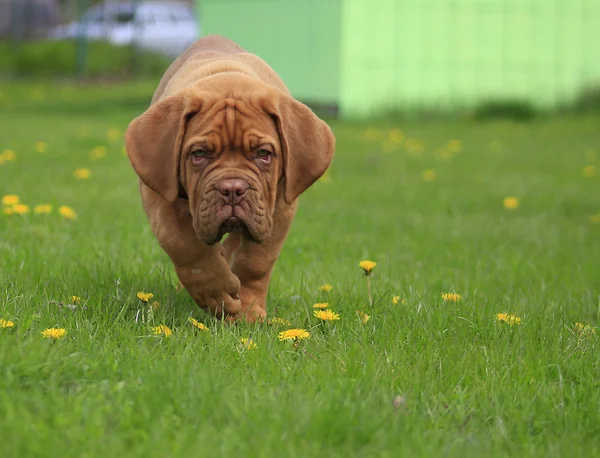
{"type": "Point", "coordinates": [233, 225]}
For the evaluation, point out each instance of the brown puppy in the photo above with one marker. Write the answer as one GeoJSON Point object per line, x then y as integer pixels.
{"type": "Point", "coordinates": [222, 149]}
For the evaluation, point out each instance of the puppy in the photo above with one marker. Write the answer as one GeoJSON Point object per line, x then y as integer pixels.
{"type": "Point", "coordinates": [225, 149]}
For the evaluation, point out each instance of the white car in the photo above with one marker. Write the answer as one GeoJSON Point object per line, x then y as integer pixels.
{"type": "Point", "coordinates": [163, 26]}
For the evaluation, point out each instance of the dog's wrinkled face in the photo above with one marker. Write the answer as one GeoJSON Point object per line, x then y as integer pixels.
{"type": "Point", "coordinates": [233, 146]}
{"type": "Point", "coordinates": [229, 167]}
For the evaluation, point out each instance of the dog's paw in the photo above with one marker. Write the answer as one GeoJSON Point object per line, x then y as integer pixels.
{"type": "Point", "coordinates": [217, 293]}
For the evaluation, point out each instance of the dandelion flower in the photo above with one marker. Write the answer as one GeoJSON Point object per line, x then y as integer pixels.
{"type": "Point", "coordinates": [67, 212]}
{"type": "Point", "coordinates": [595, 219]}
{"type": "Point", "coordinates": [396, 135]}
{"type": "Point", "coordinates": [10, 199]}
{"type": "Point", "coordinates": [53, 333]}
{"type": "Point", "coordinates": [98, 152]}
{"type": "Point", "coordinates": [321, 305]}
{"type": "Point", "coordinates": [363, 316]}
{"type": "Point", "coordinates": [367, 266]}
{"type": "Point", "coordinates": [248, 343]}
{"type": "Point", "coordinates": [41, 147]}
{"type": "Point", "coordinates": [326, 315]}
{"type": "Point", "coordinates": [113, 134]}
{"type": "Point", "coordinates": [8, 210]}
{"type": "Point", "coordinates": [6, 323]}
{"type": "Point", "coordinates": [194, 322]}
{"type": "Point", "coordinates": [451, 297]}
{"type": "Point", "coordinates": [582, 329]}
{"type": "Point", "coordinates": [454, 146]}
{"type": "Point", "coordinates": [276, 321]}
{"type": "Point", "coordinates": [163, 330]}
{"type": "Point", "coordinates": [428, 175]}
{"type": "Point", "coordinates": [82, 173]}
{"type": "Point", "coordinates": [8, 155]}
{"type": "Point", "coordinates": [397, 300]}
{"type": "Point", "coordinates": [75, 299]}
{"type": "Point", "coordinates": [144, 297]}
{"type": "Point", "coordinates": [293, 334]}
{"type": "Point", "coordinates": [21, 209]}
{"type": "Point", "coordinates": [589, 171]}
{"type": "Point", "coordinates": [511, 203]}
{"type": "Point", "coordinates": [325, 288]}
{"type": "Point", "coordinates": [42, 209]}
{"type": "Point", "coordinates": [508, 318]}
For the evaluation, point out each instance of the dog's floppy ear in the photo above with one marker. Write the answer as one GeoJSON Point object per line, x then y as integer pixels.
{"type": "Point", "coordinates": [307, 143]}
{"type": "Point", "coordinates": [153, 141]}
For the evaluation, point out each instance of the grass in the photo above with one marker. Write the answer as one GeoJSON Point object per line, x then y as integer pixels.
{"type": "Point", "coordinates": [426, 377]}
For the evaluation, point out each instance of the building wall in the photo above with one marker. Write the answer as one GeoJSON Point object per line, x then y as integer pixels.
{"type": "Point", "coordinates": [398, 54]}
{"type": "Point", "coordinates": [299, 39]}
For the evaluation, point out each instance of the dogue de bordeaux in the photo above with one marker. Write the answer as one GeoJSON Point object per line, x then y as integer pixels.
{"type": "Point", "coordinates": [225, 149]}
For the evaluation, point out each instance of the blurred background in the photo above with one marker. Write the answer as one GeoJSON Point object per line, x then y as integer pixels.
{"type": "Point", "coordinates": [357, 58]}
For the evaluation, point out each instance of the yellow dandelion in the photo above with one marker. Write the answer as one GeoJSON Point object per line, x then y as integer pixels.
{"type": "Point", "coordinates": [508, 318]}
{"type": "Point", "coordinates": [363, 316]}
{"type": "Point", "coordinates": [276, 321]}
{"type": "Point", "coordinates": [595, 219]}
{"type": "Point", "coordinates": [589, 171]}
{"type": "Point", "coordinates": [8, 155]}
{"type": "Point", "coordinates": [144, 297]}
{"type": "Point", "coordinates": [10, 199]}
{"type": "Point", "coordinates": [454, 146]}
{"type": "Point", "coordinates": [67, 212]}
{"type": "Point", "coordinates": [98, 152]}
{"type": "Point", "coordinates": [82, 174]}
{"type": "Point", "coordinates": [321, 305]}
{"type": "Point", "coordinates": [451, 297]}
{"type": "Point", "coordinates": [511, 203]}
{"type": "Point", "coordinates": [367, 266]}
{"type": "Point", "coordinates": [8, 210]}
{"type": "Point", "coordinates": [396, 135]}
{"type": "Point", "coordinates": [248, 343]}
{"type": "Point", "coordinates": [75, 299]}
{"type": "Point", "coordinates": [326, 288]}
{"type": "Point", "coordinates": [414, 146]}
{"type": "Point", "coordinates": [428, 175]}
{"type": "Point", "coordinates": [326, 315]}
{"type": "Point", "coordinates": [21, 209]}
{"type": "Point", "coordinates": [113, 134]}
{"type": "Point", "coordinates": [397, 300]}
{"type": "Point", "coordinates": [293, 334]}
{"type": "Point", "coordinates": [194, 322]}
{"type": "Point", "coordinates": [53, 333]}
{"type": "Point", "coordinates": [43, 209]}
{"type": "Point", "coordinates": [6, 323]}
{"type": "Point", "coordinates": [163, 330]}
{"type": "Point", "coordinates": [582, 329]}
{"type": "Point", "coordinates": [41, 147]}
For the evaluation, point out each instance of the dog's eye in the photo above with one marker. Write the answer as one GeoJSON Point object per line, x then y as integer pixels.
{"type": "Point", "coordinates": [263, 153]}
{"type": "Point", "coordinates": [198, 153]}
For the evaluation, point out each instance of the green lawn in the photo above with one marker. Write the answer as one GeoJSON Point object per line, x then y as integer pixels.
{"type": "Point", "coordinates": [423, 377]}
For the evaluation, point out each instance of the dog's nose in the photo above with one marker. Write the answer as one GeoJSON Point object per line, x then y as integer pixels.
{"type": "Point", "coordinates": [232, 189]}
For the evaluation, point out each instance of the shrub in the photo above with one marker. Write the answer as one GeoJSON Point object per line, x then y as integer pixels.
{"type": "Point", "coordinates": [59, 59]}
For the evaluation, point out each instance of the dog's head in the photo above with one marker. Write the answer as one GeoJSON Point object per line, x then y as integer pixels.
{"type": "Point", "coordinates": [232, 145]}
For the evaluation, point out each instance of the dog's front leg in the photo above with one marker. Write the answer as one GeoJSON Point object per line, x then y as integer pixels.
{"type": "Point", "coordinates": [253, 262]}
